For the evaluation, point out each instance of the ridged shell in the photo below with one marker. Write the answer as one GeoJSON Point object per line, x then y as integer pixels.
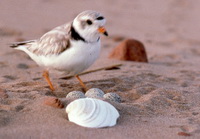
{"type": "Point", "coordinates": [93, 113]}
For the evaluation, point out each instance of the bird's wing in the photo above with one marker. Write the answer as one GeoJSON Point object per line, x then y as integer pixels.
{"type": "Point", "coordinates": [53, 42]}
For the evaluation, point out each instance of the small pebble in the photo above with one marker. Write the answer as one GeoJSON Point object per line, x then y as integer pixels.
{"type": "Point", "coordinates": [53, 102]}
{"type": "Point", "coordinates": [75, 95]}
{"type": "Point", "coordinates": [94, 93]}
{"type": "Point", "coordinates": [112, 97]}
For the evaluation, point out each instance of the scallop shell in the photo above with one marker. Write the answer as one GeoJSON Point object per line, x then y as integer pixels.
{"type": "Point", "coordinates": [93, 113]}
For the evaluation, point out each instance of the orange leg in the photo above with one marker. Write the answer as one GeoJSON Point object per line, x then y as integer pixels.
{"type": "Point", "coordinates": [81, 82]}
{"type": "Point", "coordinates": [46, 76]}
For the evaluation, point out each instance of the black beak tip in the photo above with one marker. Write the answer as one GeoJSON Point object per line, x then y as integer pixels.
{"type": "Point", "coordinates": [105, 33]}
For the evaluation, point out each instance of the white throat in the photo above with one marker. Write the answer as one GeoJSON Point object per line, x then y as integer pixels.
{"type": "Point", "coordinates": [89, 35]}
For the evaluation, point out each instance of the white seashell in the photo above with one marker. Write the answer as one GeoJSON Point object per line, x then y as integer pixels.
{"type": "Point", "coordinates": [75, 95]}
{"type": "Point", "coordinates": [93, 113]}
{"type": "Point", "coordinates": [94, 93]}
{"type": "Point", "coordinates": [112, 97]}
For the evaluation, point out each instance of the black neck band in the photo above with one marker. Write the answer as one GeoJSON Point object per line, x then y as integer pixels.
{"type": "Point", "coordinates": [75, 35]}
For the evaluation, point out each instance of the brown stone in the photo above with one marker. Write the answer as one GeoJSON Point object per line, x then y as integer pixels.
{"type": "Point", "coordinates": [3, 93]}
{"type": "Point", "coordinates": [130, 50]}
{"type": "Point", "coordinates": [53, 102]}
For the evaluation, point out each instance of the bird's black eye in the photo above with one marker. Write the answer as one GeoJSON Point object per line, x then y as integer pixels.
{"type": "Point", "coordinates": [89, 22]}
{"type": "Point", "coordinates": [100, 18]}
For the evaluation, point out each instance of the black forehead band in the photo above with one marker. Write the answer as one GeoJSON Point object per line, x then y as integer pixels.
{"type": "Point", "coordinates": [100, 18]}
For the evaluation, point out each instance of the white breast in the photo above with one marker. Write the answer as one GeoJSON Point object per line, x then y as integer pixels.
{"type": "Point", "coordinates": [75, 59]}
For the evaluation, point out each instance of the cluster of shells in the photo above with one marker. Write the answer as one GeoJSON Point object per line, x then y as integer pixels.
{"type": "Point", "coordinates": [89, 109]}
{"type": "Point", "coordinates": [94, 93]}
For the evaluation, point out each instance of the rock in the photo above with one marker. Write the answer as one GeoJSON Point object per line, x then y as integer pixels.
{"type": "Point", "coordinates": [130, 50]}
{"type": "Point", "coordinates": [94, 93]}
{"type": "Point", "coordinates": [112, 97]}
{"type": "Point", "coordinates": [3, 94]}
{"type": "Point", "coordinates": [53, 102]}
{"type": "Point", "coordinates": [75, 95]}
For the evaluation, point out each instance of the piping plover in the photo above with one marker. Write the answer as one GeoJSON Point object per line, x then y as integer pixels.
{"type": "Point", "coordinates": [72, 47]}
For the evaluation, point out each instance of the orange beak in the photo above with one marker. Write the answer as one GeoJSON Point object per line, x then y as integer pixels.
{"type": "Point", "coordinates": [103, 30]}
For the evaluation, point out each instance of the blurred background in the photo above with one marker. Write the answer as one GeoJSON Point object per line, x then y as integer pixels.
{"type": "Point", "coordinates": [155, 19]}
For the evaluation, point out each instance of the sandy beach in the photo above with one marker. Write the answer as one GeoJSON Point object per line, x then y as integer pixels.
{"type": "Point", "coordinates": [160, 99]}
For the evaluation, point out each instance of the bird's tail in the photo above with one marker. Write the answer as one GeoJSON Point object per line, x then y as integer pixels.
{"type": "Point", "coordinates": [16, 44]}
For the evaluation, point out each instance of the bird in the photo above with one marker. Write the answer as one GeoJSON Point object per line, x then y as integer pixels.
{"type": "Point", "coordinates": [70, 48]}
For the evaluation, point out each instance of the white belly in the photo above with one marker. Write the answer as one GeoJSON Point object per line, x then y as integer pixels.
{"type": "Point", "coordinates": [74, 60]}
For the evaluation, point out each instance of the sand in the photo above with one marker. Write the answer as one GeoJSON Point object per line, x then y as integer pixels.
{"type": "Point", "coordinates": [160, 99]}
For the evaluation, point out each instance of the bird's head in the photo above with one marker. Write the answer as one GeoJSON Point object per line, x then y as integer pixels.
{"type": "Point", "coordinates": [90, 24]}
